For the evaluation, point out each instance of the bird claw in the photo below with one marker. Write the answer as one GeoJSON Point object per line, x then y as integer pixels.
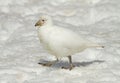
{"type": "Point", "coordinates": [48, 64]}
{"type": "Point", "coordinates": [103, 46]}
{"type": "Point", "coordinates": [70, 67]}
{"type": "Point", "coordinates": [45, 64]}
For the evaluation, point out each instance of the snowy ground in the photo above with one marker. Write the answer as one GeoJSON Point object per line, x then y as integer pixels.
{"type": "Point", "coordinates": [20, 50]}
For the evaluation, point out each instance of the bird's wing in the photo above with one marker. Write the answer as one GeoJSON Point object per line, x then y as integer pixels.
{"type": "Point", "coordinates": [67, 38]}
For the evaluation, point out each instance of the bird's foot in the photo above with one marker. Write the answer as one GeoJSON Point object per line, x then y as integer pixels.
{"type": "Point", "coordinates": [70, 67]}
{"type": "Point", "coordinates": [48, 64]}
{"type": "Point", "coordinates": [45, 64]}
{"type": "Point", "coordinates": [103, 46]}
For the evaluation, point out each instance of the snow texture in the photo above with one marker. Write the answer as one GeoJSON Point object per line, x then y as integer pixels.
{"type": "Point", "coordinates": [20, 49]}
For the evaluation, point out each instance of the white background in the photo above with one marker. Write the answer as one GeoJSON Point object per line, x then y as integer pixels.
{"type": "Point", "coordinates": [20, 49]}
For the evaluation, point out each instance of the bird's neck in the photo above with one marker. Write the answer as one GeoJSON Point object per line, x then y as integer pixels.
{"type": "Point", "coordinates": [45, 27]}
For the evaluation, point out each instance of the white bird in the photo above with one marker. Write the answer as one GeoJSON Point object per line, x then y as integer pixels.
{"type": "Point", "coordinates": [61, 42]}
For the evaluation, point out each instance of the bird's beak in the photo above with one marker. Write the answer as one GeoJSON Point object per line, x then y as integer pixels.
{"type": "Point", "coordinates": [39, 23]}
{"type": "Point", "coordinates": [36, 24]}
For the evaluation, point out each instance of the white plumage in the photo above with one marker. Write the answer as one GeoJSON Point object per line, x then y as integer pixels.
{"type": "Point", "coordinates": [59, 41]}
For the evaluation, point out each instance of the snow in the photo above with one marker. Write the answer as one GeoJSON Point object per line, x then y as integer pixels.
{"type": "Point", "coordinates": [20, 49]}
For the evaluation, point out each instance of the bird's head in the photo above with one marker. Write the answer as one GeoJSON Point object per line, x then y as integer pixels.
{"type": "Point", "coordinates": [44, 21]}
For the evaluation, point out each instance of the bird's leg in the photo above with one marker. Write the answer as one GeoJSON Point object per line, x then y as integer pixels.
{"type": "Point", "coordinates": [71, 64]}
{"type": "Point", "coordinates": [49, 63]}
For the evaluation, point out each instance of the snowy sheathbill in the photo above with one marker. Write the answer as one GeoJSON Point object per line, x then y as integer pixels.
{"type": "Point", "coordinates": [61, 42]}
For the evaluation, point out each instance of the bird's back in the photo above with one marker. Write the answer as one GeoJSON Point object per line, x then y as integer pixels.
{"type": "Point", "coordinates": [61, 41]}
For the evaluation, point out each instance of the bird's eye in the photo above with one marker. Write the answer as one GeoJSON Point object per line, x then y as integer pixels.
{"type": "Point", "coordinates": [43, 20]}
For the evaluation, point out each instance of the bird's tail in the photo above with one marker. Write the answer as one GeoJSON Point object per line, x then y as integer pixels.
{"type": "Point", "coordinates": [91, 45]}
{"type": "Point", "coordinates": [101, 46]}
